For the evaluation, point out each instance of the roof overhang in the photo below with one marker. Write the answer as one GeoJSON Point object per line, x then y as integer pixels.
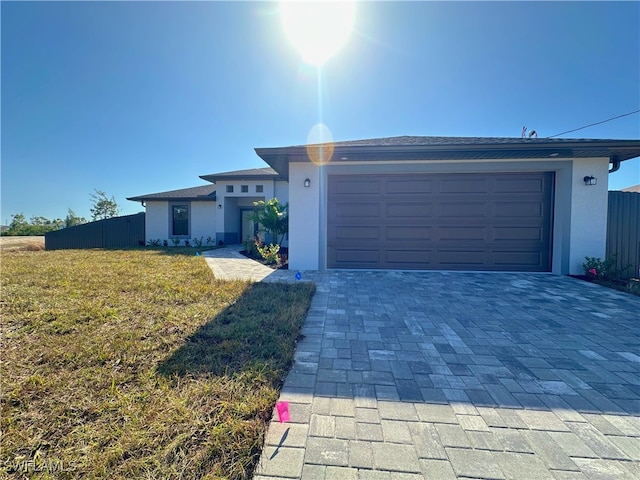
{"type": "Point", "coordinates": [616, 150]}
{"type": "Point", "coordinates": [264, 173]}
{"type": "Point", "coordinates": [203, 193]}
{"type": "Point", "coordinates": [209, 198]}
{"type": "Point", "coordinates": [213, 178]}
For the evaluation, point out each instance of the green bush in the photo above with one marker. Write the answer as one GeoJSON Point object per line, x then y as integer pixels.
{"type": "Point", "coordinates": [251, 248]}
{"type": "Point", "coordinates": [273, 218]}
{"type": "Point", "coordinates": [601, 269]}
{"type": "Point", "coordinates": [269, 253]}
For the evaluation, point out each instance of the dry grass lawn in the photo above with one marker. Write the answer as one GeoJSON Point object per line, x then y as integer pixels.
{"type": "Point", "coordinates": [138, 364]}
{"type": "Point", "coordinates": [18, 244]}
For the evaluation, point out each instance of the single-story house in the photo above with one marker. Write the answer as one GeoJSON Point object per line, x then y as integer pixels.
{"type": "Point", "coordinates": [406, 203]}
{"type": "Point", "coordinates": [220, 212]}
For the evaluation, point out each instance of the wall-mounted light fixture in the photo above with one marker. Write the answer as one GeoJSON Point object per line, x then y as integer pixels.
{"type": "Point", "coordinates": [590, 180]}
{"type": "Point", "coordinates": [307, 183]}
{"type": "Point", "coordinates": [219, 206]}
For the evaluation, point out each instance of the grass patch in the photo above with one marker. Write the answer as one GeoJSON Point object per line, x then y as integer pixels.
{"type": "Point", "coordinates": [138, 364]}
{"type": "Point", "coordinates": [21, 244]}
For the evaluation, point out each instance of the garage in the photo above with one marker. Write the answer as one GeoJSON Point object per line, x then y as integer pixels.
{"type": "Point", "coordinates": [447, 221]}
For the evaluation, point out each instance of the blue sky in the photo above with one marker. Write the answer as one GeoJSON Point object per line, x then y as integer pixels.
{"type": "Point", "coordinates": [135, 98]}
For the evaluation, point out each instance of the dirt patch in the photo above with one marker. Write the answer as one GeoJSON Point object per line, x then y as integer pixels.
{"type": "Point", "coordinates": [21, 244]}
{"type": "Point", "coordinates": [282, 265]}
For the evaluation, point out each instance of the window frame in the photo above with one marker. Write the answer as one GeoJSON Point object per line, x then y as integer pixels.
{"type": "Point", "coordinates": [172, 207]}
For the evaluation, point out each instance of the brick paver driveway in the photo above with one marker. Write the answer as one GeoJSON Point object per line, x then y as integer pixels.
{"type": "Point", "coordinates": [458, 375]}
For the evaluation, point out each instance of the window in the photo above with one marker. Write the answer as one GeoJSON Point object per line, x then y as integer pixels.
{"type": "Point", "coordinates": [180, 220]}
{"type": "Point", "coordinates": [244, 188]}
{"type": "Point", "coordinates": [259, 189]}
{"type": "Point", "coordinates": [229, 188]}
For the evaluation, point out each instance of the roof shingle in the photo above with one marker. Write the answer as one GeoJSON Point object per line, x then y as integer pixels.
{"type": "Point", "coordinates": [202, 193]}
{"type": "Point", "coordinates": [249, 174]}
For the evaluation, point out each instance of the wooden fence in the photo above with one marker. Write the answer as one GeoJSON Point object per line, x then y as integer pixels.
{"type": "Point", "coordinates": [117, 232]}
{"type": "Point", "coordinates": [623, 232]}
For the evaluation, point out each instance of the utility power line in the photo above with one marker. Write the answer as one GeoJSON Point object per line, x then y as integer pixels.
{"type": "Point", "coordinates": [592, 124]}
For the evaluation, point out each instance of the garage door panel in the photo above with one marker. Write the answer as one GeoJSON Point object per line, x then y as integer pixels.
{"type": "Point", "coordinates": [463, 209]}
{"type": "Point", "coordinates": [490, 221]}
{"type": "Point", "coordinates": [356, 233]}
{"type": "Point", "coordinates": [462, 258]}
{"type": "Point", "coordinates": [534, 184]}
{"type": "Point", "coordinates": [464, 185]}
{"type": "Point", "coordinates": [519, 209]}
{"type": "Point", "coordinates": [407, 233]}
{"type": "Point", "coordinates": [358, 210]}
{"type": "Point", "coordinates": [409, 186]}
{"type": "Point", "coordinates": [475, 234]}
{"type": "Point", "coordinates": [351, 187]}
{"type": "Point", "coordinates": [408, 210]}
{"type": "Point", "coordinates": [518, 260]}
{"type": "Point", "coordinates": [357, 257]}
{"type": "Point", "coordinates": [407, 259]}
{"type": "Point", "coordinates": [532, 234]}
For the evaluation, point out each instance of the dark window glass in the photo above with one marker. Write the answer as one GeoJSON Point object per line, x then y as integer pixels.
{"type": "Point", "coordinates": [180, 220]}
{"type": "Point", "coordinates": [229, 188]}
{"type": "Point", "coordinates": [244, 188]}
{"type": "Point", "coordinates": [259, 189]}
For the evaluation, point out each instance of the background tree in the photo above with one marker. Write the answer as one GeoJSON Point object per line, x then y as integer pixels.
{"type": "Point", "coordinates": [44, 224]}
{"type": "Point", "coordinates": [273, 218]}
{"type": "Point", "coordinates": [35, 226]}
{"type": "Point", "coordinates": [72, 219]}
{"type": "Point", "coordinates": [18, 225]}
{"type": "Point", "coordinates": [103, 206]}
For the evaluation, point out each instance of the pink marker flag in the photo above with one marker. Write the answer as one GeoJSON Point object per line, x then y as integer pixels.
{"type": "Point", "coordinates": [593, 271]}
{"type": "Point", "coordinates": [283, 411]}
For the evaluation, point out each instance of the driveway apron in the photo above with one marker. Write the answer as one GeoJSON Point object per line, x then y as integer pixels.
{"type": "Point", "coordinates": [444, 375]}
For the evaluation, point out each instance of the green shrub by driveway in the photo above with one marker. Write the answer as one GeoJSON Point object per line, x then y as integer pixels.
{"type": "Point", "coordinates": [138, 364]}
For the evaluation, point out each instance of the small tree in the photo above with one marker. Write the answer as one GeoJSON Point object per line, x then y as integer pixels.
{"type": "Point", "coordinates": [18, 225]}
{"type": "Point", "coordinates": [272, 215]}
{"type": "Point", "coordinates": [103, 206]}
{"type": "Point", "coordinates": [35, 226]}
{"type": "Point", "coordinates": [72, 219]}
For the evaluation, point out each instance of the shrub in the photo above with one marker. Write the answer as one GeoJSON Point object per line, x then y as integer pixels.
{"type": "Point", "coordinates": [198, 241]}
{"type": "Point", "coordinates": [269, 253]}
{"type": "Point", "coordinates": [154, 242]}
{"type": "Point", "coordinates": [251, 247]}
{"type": "Point", "coordinates": [272, 217]}
{"type": "Point", "coordinates": [601, 269]}
{"type": "Point", "coordinates": [210, 241]}
{"type": "Point", "coordinates": [176, 241]}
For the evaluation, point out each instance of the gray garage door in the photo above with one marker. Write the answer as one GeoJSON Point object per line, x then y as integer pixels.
{"type": "Point", "coordinates": [496, 221]}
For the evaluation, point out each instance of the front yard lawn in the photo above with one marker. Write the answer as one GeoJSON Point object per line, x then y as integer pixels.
{"type": "Point", "coordinates": [138, 364]}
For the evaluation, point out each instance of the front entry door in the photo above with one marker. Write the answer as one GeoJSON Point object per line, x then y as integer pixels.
{"type": "Point", "coordinates": [249, 227]}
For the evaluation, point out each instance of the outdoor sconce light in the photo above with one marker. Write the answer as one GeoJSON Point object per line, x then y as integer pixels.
{"type": "Point", "coordinates": [590, 180]}
{"type": "Point", "coordinates": [219, 206]}
{"type": "Point", "coordinates": [307, 183]}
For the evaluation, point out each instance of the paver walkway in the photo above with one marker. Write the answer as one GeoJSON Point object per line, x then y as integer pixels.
{"type": "Point", "coordinates": [460, 375]}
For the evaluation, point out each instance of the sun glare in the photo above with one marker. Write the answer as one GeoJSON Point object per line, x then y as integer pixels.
{"type": "Point", "coordinates": [320, 144]}
{"type": "Point", "coordinates": [318, 30]}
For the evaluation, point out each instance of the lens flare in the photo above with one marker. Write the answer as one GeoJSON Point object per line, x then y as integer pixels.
{"type": "Point", "coordinates": [320, 144]}
{"type": "Point", "coordinates": [317, 29]}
